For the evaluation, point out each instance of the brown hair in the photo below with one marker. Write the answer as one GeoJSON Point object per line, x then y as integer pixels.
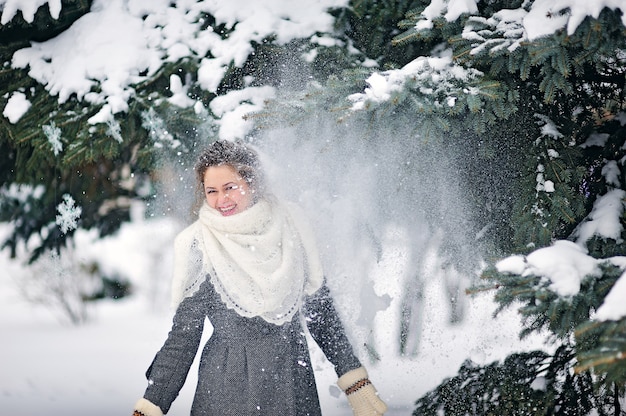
{"type": "Point", "coordinates": [237, 155]}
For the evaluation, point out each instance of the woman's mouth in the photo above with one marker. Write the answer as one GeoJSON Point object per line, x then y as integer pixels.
{"type": "Point", "coordinates": [229, 210]}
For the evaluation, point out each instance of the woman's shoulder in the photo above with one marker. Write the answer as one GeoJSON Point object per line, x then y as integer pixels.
{"type": "Point", "coordinates": [187, 235]}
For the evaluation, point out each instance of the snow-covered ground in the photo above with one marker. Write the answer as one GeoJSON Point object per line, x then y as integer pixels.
{"type": "Point", "coordinates": [97, 368]}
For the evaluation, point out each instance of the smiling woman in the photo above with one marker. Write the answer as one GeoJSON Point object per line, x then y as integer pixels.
{"type": "Point", "coordinates": [229, 176]}
{"type": "Point", "coordinates": [226, 191]}
{"type": "Point", "coordinates": [250, 264]}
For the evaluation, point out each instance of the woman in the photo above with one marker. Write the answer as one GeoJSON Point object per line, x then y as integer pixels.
{"type": "Point", "coordinates": [250, 264]}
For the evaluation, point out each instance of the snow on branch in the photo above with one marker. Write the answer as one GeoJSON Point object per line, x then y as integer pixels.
{"type": "Point", "coordinates": [233, 109]}
{"type": "Point", "coordinates": [563, 266]}
{"type": "Point", "coordinates": [604, 219]}
{"type": "Point", "coordinates": [69, 213]}
{"type": "Point", "coordinates": [503, 30]}
{"type": "Point", "coordinates": [533, 20]}
{"type": "Point", "coordinates": [119, 44]}
{"type": "Point", "coordinates": [28, 8]}
{"type": "Point", "coordinates": [614, 308]}
{"type": "Point", "coordinates": [433, 76]}
{"type": "Point", "coordinates": [16, 107]}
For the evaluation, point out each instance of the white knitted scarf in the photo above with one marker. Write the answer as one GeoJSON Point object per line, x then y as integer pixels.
{"type": "Point", "coordinates": [261, 261]}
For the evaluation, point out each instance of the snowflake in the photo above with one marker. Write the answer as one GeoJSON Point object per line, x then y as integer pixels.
{"type": "Point", "coordinates": [68, 216]}
{"type": "Point", "coordinates": [157, 130]}
{"type": "Point", "coordinates": [53, 133]}
{"type": "Point", "coordinates": [114, 130]}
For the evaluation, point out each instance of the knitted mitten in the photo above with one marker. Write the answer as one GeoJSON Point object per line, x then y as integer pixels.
{"type": "Point", "coordinates": [361, 393]}
{"type": "Point", "coordinates": [146, 408]}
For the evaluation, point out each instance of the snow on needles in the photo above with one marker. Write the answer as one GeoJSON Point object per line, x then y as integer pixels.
{"type": "Point", "coordinates": [604, 219]}
{"type": "Point", "coordinates": [233, 106]}
{"type": "Point", "coordinates": [547, 16]}
{"type": "Point", "coordinates": [565, 264]}
{"type": "Point", "coordinates": [16, 107]}
{"type": "Point", "coordinates": [513, 25]}
{"type": "Point", "coordinates": [122, 42]}
{"type": "Point", "coordinates": [614, 307]}
{"type": "Point", "coordinates": [542, 19]}
{"type": "Point", "coordinates": [28, 8]}
{"type": "Point", "coordinates": [438, 73]}
{"type": "Point", "coordinates": [108, 46]}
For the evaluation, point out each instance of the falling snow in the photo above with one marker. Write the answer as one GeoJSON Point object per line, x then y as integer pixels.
{"type": "Point", "coordinates": [168, 34]}
{"type": "Point", "coordinates": [68, 214]}
{"type": "Point", "coordinates": [53, 133]}
{"type": "Point", "coordinates": [157, 131]}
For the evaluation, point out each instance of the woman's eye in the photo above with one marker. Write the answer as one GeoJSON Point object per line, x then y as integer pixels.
{"type": "Point", "coordinates": [210, 191]}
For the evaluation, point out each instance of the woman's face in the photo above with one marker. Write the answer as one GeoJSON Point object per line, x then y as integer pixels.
{"type": "Point", "coordinates": [226, 191]}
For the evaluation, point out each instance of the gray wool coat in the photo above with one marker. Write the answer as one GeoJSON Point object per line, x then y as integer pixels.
{"type": "Point", "coordinates": [248, 366]}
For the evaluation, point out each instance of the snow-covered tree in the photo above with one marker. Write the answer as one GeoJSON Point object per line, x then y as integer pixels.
{"type": "Point", "coordinates": [472, 134]}
{"type": "Point", "coordinates": [526, 98]}
{"type": "Point", "coordinates": [537, 89]}
{"type": "Point", "coordinates": [97, 95]}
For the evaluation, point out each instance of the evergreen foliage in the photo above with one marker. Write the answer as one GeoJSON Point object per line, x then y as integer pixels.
{"type": "Point", "coordinates": [544, 310]}
{"type": "Point", "coordinates": [530, 383]}
{"type": "Point", "coordinates": [594, 347]}
{"type": "Point", "coordinates": [536, 129]}
{"type": "Point", "coordinates": [557, 205]}
{"type": "Point", "coordinates": [556, 102]}
{"type": "Point", "coordinates": [371, 25]}
{"type": "Point", "coordinates": [568, 89]}
{"type": "Point", "coordinates": [582, 81]}
{"type": "Point", "coordinates": [105, 166]}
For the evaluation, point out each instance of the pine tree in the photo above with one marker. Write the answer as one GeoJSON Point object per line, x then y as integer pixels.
{"type": "Point", "coordinates": [54, 151]}
{"type": "Point", "coordinates": [573, 85]}
{"type": "Point", "coordinates": [530, 383]}
{"type": "Point", "coordinates": [543, 121]}
{"type": "Point", "coordinates": [54, 148]}
{"type": "Point", "coordinates": [515, 117]}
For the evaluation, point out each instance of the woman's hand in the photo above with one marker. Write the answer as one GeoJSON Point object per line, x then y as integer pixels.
{"type": "Point", "coordinates": [361, 393]}
{"type": "Point", "coordinates": [146, 408]}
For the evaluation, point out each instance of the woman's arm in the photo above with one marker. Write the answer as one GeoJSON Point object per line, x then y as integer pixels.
{"type": "Point", "coordinates": [170, 366]}
{"type": "Point", "coordinates": [327, 330]}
